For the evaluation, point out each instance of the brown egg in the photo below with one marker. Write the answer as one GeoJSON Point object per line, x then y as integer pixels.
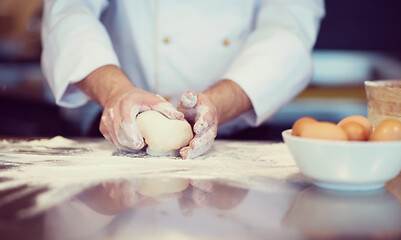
{"type": "Point", "coordinates": [387, 130]}
{"type": "Point", "coordinates": [355, 131]}
{"type": "Point", "coordinates": [324, 130]}
{"type": "Point", "coordinates": [359, 119]}
{"type": "Point", "coordinates": [300, 124]}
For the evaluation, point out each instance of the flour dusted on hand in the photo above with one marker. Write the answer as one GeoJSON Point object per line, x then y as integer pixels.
{"type": "Point", "coordinates": [162, 135]}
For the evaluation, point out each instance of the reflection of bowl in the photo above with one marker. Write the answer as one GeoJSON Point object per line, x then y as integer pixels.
{"type": "Point", "coordinates": [345, 165]}
{"type": "Point", "coordinates": [351, 215]}
{"type": "Point", "coordinates": [384, 100]}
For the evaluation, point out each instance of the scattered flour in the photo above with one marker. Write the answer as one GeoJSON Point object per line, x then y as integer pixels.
{"type": "Point", "coordinates": [65, 167]}
{"type": "Point", "coordinates": [57, 141]}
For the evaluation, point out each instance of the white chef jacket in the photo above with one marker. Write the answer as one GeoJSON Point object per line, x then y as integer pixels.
{"type": "Point", "coordinates": [170, 46]}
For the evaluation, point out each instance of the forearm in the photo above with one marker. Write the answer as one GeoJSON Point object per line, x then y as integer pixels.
{"type": "Point", "coordinates": [230, 100]}
{"type": "Point", "coordinates": [104, 82]}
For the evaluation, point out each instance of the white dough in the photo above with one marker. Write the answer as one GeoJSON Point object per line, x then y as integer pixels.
{"type": "Point", "coordinates": [162, 135]}
{"type": "Point", "coordinates": [153, 187]}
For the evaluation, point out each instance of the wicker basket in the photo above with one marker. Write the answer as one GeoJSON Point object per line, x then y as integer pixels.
{"type": "Point", "coordinates": [384, 100]}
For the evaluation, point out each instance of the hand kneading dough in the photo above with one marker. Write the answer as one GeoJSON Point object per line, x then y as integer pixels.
{"type": "Point", "coordinates": [162, 135]}
{"type": "Point", "coordinates": [153, 187]}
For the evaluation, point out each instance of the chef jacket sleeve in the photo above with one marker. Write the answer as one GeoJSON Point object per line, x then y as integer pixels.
{"type": "Point", "coordinates": [75, 43]}
{"type": "Point", "coordinates": [275, 63]}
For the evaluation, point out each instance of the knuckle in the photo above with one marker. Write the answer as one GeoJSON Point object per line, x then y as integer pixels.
{"type": "Point", "coordinates": [125, 102]}
{"type": "Point", "coordinates": [103, 121]}
{"type": "Point", "coordinates": [102, 129]}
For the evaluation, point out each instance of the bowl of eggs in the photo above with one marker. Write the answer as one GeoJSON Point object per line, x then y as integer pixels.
{"type": "Point", "coordinates": [350, 155]}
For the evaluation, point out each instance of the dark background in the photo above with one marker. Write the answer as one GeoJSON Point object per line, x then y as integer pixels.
{"type": "Point", "coordinates": [368, 25]}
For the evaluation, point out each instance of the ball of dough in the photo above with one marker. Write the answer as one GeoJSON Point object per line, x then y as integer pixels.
{"type": "Point", "coordinates": [153, 187]}
{"type": "Point", "coordinates": [162, 135]}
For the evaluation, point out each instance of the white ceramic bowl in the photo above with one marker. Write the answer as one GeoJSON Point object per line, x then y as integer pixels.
{"type": "Point", "coordinates": [345, 165]}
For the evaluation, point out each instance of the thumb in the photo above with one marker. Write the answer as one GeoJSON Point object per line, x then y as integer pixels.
{"type": "Point", "coordinates": [188, 100]}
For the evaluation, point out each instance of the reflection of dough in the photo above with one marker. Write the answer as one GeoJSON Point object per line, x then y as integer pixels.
{"type": "Point", "coordinates": [163, 136]}
{"type": "Point", "coordinates": [153, 187]}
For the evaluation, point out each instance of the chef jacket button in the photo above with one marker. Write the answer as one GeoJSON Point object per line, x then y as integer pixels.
{"type": "Point", "coordinates": [166, 40]}
{"type": "Point", "coordinates": [226, 42]}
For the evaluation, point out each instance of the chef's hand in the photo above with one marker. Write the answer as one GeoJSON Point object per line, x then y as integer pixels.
{"type": "Point", "coordinates": [202, 114]}
{"type": "Point", "coordinates": [118, 120]}
{"type": "Point", "coordinates": [121, 102]}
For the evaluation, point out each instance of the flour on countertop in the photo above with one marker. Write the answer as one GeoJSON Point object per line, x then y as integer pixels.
{"type": "Point", "coordinates": [65, 167]}
{"type": "Point", "coordinates": [57, 141]}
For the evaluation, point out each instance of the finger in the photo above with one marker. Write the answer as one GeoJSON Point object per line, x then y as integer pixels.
{"type": "Point", "coordinates": [188, 100]}
{"type": "Point", "coordinates": [187, 105]}
{"type": "Point", "coordinates": [107, 137]}
{"type": "Point", "coordinates": [184, 152]}
{"type": "Point", "coordinates": [168, 110]}
{"type": "Point", "coordinates": [161, 97]}
{"type": "Point", "coordinates": [204, 137]}
{"type": "Point", "coordinates": [103, 128]}
{"type": "Point", "coordinates": [193, 153]}
{"type": "Point", "coordinates": [189, 113]}
{"type": "Point", "coordinates": [201, 143]}
{"type": "Point", "coordinates": [205, 118]}
{"type": "Point", "coordinates": [133, 136]}
{"type": "Point", "coordinates": [121, 138]}
{"type": "Point", "coordinates": [106, 127]}
{"type": "Point", "coordinates": [128, 125]}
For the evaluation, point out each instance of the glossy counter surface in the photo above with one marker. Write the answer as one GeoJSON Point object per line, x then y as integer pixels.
{"type": "Point", "coordinates": [73, 192]}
